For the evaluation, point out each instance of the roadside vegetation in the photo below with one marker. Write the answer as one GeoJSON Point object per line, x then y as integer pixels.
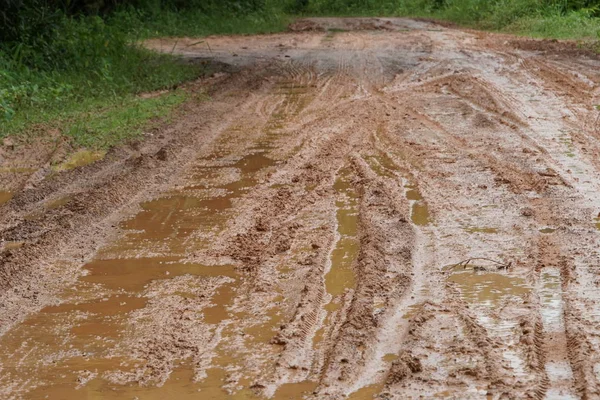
{"type": "Point", "coordinates": [76, 65]}
{"type": "Point", "coordinates": [560, 19]}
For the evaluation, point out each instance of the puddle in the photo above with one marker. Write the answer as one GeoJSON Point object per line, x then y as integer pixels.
{"type": "Point", "coordinates": [61, 201]}
{"type": "Point", "coordinates": [79, 159]}
{"type": "Point", "coordinates": [420, 214]}
{"type": "Point", "coordinates": [382, 165]}
{"type": "Point", "coordinates": [5, 196]}
{"type": "Point", "coordinates": [419, 210]}
{"type": "Point", "coordinates": [170, 219]}
{"type": "Point", "coordinates": [51, 205]}
{"type": "Point", "coordinates": [366, 393]}
{"type": "Point", "coordinates": [487, 288]}
{"type": "Point", "coordinates": [341, 275]}
{"type": "Point", "coordinates": [294, 391]}
{"type": "Point", "coordinates": [486, 292]}
{"type": "Point", "coordinates": [180, 385]}
{"type": "Point", "coordinates": [133, 275]}
{"type": "Point", "coordinates": [264, 332]}
{"type": "Point", "coordinates": [474, 229]}
{"type": "Point", "coordinates": [93, 318]}
{"type": "Point", "coordinates": [413, 194]}
{"type": "Point", "coordinates": [222, 299]}
{"type": "Point", "coordinates": [551, 300]}
{"type": "Point", "coordinates": [18, 170]}
{"type": "Point", "coordinates": [13, 245]}
{"type": "Point", "coordinates": [412, 310]}
{"type": "Point", "coordinates": [547, 230]}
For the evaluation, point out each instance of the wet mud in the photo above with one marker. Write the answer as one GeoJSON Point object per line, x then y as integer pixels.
{"type": "Point", "coordinates": [365, 208]}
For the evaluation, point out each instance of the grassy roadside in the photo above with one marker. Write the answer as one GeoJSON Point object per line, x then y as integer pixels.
{"type": "Point", "coordinates": [86, 77]}
{"type": "Point", "coordinates": [552, 19]}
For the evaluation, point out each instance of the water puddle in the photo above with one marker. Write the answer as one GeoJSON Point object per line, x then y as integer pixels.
{"type": "Point", "coordinates": [12, 245]}
{"type": "Point", "coordinates": [75, 341]}
{"type": "Point", "coordinates": [180, 385]}
{"type": "Point", "coordinates": [382, 165]}
{"type": "Point", "coordinates": [341, 275]}
{"type": "Point", "coordinates": [61, 201]}
{"type": "Point", "coordinates": [133, 275]}
{"type": "Point", "coordinates": [295, 391]}
{"type": "Point", "coordinates": [366, 393]}
{"type": "Point", "coordinates": [473, 229]}
{"type": "Point", "coordinates": [420, 214]}
{"type": "Point", "coordinates": [487, 288]}
{"type": "Point", "coordinates": [419, 209]}
{"type": "Point", "coordinates": [5, 196]}
{"type": "Point", "coordinates": [51, 205]}
{"type": "Point", "coordinates": [18, 170]}
{"type": "Point", "coordinates": [171, 219]}
{"type": "Point", "coordinates": [487, 291]}
{"type": "Point", "coordinates": [413, 194]}
{"type": "Point", "coordinates": [93, 318]}
{"type": "Point", "coordinates": [79, 159]}
{"type": "Point", "coordinates": [551, 300]}
{"type": "Point", "coordinates": [547, 230]}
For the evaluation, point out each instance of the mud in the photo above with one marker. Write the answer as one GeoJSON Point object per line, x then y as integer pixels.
{"type": "Point", "coordinates": [304, 233]}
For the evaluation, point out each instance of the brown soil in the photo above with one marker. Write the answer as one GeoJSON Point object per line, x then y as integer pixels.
{"type": "Point", "coordinates": [300, 234]}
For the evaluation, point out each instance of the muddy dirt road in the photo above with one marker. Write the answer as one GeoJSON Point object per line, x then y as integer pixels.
{"type": "Point", "coordinates": [355, 209]}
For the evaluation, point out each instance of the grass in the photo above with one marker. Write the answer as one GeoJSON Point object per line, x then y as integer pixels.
{"type": "Point", "coordinates": [556, 19]}
{"type": "Point", "coordinates": [573, 25]}
{"type": "Point", "coordinates": [85, 78]}
{"type": "Point", "coordinates": [102, 126]}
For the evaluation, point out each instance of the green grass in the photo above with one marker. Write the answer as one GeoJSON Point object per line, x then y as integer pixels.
{"type": "Point", "coordinates": [85, 76]}
{"type": "Point", "coordinates": [199, 24]}
{"type": "Point", "coordinates": [103, 126]}
{"type": "Point", "coordinates": [573, 25]}
{"type": "Point", "coordinates": [557, 19]}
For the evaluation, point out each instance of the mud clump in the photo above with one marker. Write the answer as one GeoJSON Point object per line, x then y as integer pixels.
{"type": "Point", "coordinates": [405, 366]}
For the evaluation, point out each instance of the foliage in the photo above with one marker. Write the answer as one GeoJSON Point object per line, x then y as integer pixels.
{"type": "Point", "coordinates": [60, 56]}
{"type": "Point", "coordinates": [491, 14]}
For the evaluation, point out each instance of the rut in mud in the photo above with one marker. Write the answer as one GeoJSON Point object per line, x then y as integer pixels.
{"type": "Point", "coordinates": [304, 233]}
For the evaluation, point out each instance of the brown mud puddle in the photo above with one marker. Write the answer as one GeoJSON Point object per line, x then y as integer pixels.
{"type": "Point", "coordinates": [486, 291]}
{"type": "Point", "coordinates": [474, 229]}
{"type": "Point", "coordinates": [5, 196]}
{"type": "Point", "coordinates": [69, 362]}
{"type": "Point", "coordinates": [383, 166]}
{"type": "Point", "coordinates": [341, 275]}
{"type": "Point", "coordinates": [419, 210]}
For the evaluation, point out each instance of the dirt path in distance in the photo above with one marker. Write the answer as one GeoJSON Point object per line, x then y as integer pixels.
{"type": "Point", "coordinates": [364, 208]}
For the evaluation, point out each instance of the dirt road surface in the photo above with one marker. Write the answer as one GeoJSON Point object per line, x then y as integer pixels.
{"type": "Point", "coordinates": [354, 209]}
